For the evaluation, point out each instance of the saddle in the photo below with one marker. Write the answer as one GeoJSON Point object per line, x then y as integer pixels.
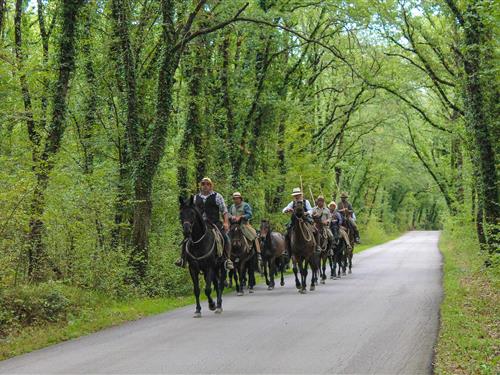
{"type": "Point", "coordinates": [219, 240]}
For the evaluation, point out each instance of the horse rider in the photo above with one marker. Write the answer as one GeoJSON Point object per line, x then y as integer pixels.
{"type": "Point", "coordinates": [212, 206]}
{"type": "Point", "coordinates": [308, 210]}
{"type": "Point", "coordinates": [345, 208]}
{"type": "Point", "coordinates": [241, 212]}
{"type": "Point", "coordinates": [338, 221]}
{"type": "Point", "coordinates": [324, 216]}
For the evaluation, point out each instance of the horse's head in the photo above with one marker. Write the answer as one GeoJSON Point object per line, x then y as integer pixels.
{"type": "Point", "coordinates": [188, 214]}
{"type": "Point", "coordinates": [265, 228]}
{"type": "Point", "coordinates": [236, 236]}
{"type": "Point", "coordinates": [299, 210]}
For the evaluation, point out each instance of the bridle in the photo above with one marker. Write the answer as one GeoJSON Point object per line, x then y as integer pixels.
{"type": "Point", "coordinates": [189, 240]}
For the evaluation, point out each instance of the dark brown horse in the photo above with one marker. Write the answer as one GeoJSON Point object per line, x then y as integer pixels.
{"type": "Point", "coordinates": [302, 245]}
{"type": "Point", "coordinates": [242, 255]}
{"type": "Point", "coordinates": [325, 245]}
{"type": "Point", "coordinates": [200, 249]}
{"type": "Point", "coordinates": [273, 253]}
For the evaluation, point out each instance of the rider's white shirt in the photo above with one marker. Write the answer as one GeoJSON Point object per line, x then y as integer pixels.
{"type": "Point", "coordinates": [308, 207]}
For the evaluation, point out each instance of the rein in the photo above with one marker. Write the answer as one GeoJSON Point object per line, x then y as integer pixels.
{"type": "Point", "coordinates": [190, 241]}
{"type": "Point", "coordinates": [301, 227]}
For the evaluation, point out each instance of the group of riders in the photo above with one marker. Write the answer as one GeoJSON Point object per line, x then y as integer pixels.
{"type": "Point", "coordinates": [211, 204]}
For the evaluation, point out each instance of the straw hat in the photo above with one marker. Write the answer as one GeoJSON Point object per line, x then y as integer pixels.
{"type": "Point", "coordinates": [344, 195]}
{"type": "Point", "coordinates": [332, 203]}
{"type": "Point", "coordinates": [207, 179]}
{"type": "Point", "coordinates": [320, 197]}
{"type": "Point", "coordinates": [296, 191]}
{"type": "Point", "coordinates": [237, 194]}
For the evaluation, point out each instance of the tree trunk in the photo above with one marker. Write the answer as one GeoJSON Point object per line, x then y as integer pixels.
{"type": "Point", "coordinates": [478, 124]}
{"type": "Point", "coordinates": [54, 136]}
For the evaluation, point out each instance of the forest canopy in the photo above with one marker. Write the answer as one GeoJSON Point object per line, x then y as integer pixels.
{"type": "Point", "coordinates": [111, 109]}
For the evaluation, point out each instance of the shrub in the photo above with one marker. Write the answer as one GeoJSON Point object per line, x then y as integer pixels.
{"type": "Point", "coordinates": [33, 304]}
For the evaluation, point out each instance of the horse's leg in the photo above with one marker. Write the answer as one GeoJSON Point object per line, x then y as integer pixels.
{"type": "Point", "coordinates": [313, 262]}
{"type": "Point", "coordinates": [302, 263]}
{"type": "Point", "coordinates": [196, 289]}
{"type": "Point", "coordinates": [209, 276]}
{"type": "Point", "coordinates": [251, 277]}
{"type": "Point", "coordinates": [237, 279]}
{"type": "Point", "coordinates": [219, 277]}
{"type": "Point", "coordinates": [350, 260]}
{"type": "Point", "coordinates": [295, 272]}
{"type": "Point", "coordinates": [323, 269]}
{"type": "Point", "coordinates": [272, 271]}
{"type": "Point", "coordinates": [265, 266]}
{"type": "Point", "coordinates": [331, 260]}
{"type": "Point", "coordinates": [282, 265]}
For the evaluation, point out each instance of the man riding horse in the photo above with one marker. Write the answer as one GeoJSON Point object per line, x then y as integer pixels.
{"type": "Point", "coordinates": [338, 221]}
{"type": "Point", "coordinates": [298, 197]}
{"type": "Point", "coordinates": [212, 206]}
{"type": "Point", "coordinates": [241, 212]}
{"type": "Point", "coordinates": [322, 214]}
{"type": "Point", "coordinates": [345, 208]}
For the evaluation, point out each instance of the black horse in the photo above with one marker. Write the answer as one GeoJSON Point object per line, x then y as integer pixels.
{"type": "Point", "coordinates": [242, 255]}
{"type": "Point", "coordinates": [273, 253]}
{"type": "Point", "coordinates": [302, 245]}
{"type": "Point", "coordinates": [340, 252]}
{"type": "Point", "coordinates": [200, 249]}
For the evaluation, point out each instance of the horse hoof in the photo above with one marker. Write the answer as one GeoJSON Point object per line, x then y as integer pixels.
{"type": "Point", "coordinates": [322, 281]}
{"type": "Point", "coordinates": [312, 288]}
{"type": "Point", "coordinates": [250, 290]}
{"type": "Point", "coordinates": [270, 288]}
{"type": "Point", "coordinates": [350, 271]}
{"type": "Point", "coordinates": [211, 307]}
{"type": "Point", "coordinates": [282, 283]}
{"type": "Point", "coordinates": [332, 277]}
{"type": "Point", "coordinates": [239, 293]}
{"type": "Point", "coordinates": [197, 315]}
{"type": "Point", "coordinates": [302, 291]}
{"type": "Point", "coordinates": [343, 273]}
{"type": "Point", "coordinates": [218, 310]}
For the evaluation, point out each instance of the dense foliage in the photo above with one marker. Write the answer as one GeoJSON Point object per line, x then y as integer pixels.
{"type": "Point", "coordinates": [110, 109]}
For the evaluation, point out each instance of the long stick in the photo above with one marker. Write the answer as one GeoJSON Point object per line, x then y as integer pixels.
{"type": "Point", "coordinates": [312, 195]}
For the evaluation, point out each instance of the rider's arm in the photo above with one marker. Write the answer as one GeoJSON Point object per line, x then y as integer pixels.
{"type": "Point", "coordinates": [288, 207]}
{"type": "Point", "coordinates": [308, 207]}
{"type": "Point", "coordinates": [223, 210]}
{"type": "Point", "coordinates": [247, 212]}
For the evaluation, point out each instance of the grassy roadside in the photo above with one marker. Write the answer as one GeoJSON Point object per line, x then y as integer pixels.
{"type": "Point", "coordinates": [469, 333]}
{"type": "Point", "coordinates": [93, 318]}
{"type": "Point", "coordinates": [100, 312]}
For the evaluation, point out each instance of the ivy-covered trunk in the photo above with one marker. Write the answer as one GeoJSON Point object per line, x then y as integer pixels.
{"type": "Point", "coordinates": [55, 132]}
{"type": "Point", "coordinates": [477, 121]}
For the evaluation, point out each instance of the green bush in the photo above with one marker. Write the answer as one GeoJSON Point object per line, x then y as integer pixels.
{"type": "Point", "coordinates": [33, 304]}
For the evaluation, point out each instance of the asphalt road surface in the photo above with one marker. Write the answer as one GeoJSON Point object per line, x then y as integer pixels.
{"type": "Point", "coordinates": [381, 319]}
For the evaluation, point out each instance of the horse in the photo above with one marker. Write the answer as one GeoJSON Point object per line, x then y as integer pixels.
{"type": "Point", "coordinates": [325, 245]}
{"type": "Point", "coordinates": [200, 248]}
{"type": "Point", "coordinates": [338, 259]}
{"type": "Point", "coordinates": [273, 253]}
{"type": "Point", "coordinates": [242, 254]}
{"type": "Point", "coordinates": [302, 245]}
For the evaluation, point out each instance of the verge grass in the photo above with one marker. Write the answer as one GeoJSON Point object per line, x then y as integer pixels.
{"type": "Point", "coordinates": [469, 338]}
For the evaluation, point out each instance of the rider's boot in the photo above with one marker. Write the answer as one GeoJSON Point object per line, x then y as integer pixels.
{"type": "Point", "coordinates": [228, 264]}
{"type": "Point", "coordinates": [181, 262]}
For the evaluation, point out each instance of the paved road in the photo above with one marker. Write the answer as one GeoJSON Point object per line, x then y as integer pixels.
{"type": "Point", "coordinates": [381, 319]}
